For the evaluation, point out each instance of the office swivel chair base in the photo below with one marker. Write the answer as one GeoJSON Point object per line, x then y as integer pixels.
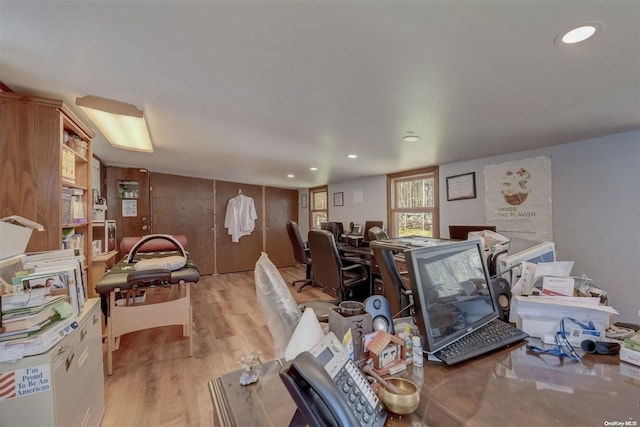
{"type": "Point", "coordinates": [305, 283]}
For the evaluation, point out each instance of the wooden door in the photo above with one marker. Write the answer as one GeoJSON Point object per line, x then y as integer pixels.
{"type": "Point", "coordinates": [184, 205]}
{"type": "Point", "coordinates": [240, 256]}
{"type": "Point", "coordinates": [128, 201]}
{"type": "Point", "coordinates": [280, 205]}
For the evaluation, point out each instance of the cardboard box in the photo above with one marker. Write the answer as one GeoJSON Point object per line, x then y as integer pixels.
{"type": "Point", "coordinates": [541, 317]}
{"type": "Point", "coordinates": [15, 232]}
{"type": "Point", "coordinates": [359, 324]}
{"type": "Point", "coordinates": [630, 356]}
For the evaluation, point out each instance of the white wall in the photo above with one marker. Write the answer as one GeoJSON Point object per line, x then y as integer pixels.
{"type": "Point", "coordinates": [364, 200]}
{"type": "Point", "coordinates": [596, 209]}
{"type": "Point", "coordinates": [372, 208]}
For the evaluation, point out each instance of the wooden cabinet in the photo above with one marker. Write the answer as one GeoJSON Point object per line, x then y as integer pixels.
{"type": "Point", "coordinates": [45, 170]}
{"type": "Point", "coordinates": [62, 387]}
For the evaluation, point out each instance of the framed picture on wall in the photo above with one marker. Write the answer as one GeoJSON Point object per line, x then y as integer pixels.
{"type": "Point", "coordinates": [338, 199]}
{"type": "Point", "coordinates": [303, 201]}
{"type": "Point", "coordinates": [460, 187]}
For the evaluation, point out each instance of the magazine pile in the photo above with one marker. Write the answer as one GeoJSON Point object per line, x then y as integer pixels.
{"type": "Point", "coordinates": [41, 304]}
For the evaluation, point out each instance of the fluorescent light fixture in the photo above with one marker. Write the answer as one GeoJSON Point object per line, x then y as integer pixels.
{"type": "Point", "coordinates": [122, 124]}
{"type": "Point", "coordinates": [313, 169]}
{"type": "Point", "coordinates": [352, 156]}
{"type": "Point", "coordinates": [291, 175]}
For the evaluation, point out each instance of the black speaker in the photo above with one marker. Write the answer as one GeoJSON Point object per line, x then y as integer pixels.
{"type": "Point", "coordinates": [380, 310]}
{"type": "Point", "coordinates": [501, 295]}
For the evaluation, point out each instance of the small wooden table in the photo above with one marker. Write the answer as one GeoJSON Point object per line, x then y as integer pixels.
{"type": "Point", "coordinates": [99, 264]}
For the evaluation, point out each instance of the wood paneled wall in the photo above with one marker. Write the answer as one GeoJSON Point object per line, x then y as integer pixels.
{"type": "Point", "coordinates": [184, 205]}
{"type": "Point", "coordinates": [196, 207]}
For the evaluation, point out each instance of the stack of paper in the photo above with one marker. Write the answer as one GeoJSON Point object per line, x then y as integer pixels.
{"type": "Point", "coordinates": [46, 294]}
{"type": "Point", "coordinates": [54, 272]}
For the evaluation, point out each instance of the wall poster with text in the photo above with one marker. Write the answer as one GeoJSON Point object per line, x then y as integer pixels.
{"type": "Point", "coordinates": [518, 198]}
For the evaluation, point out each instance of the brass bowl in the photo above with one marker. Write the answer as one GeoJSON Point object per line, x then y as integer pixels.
{"type": "Point", "coordinates": [401, 404]}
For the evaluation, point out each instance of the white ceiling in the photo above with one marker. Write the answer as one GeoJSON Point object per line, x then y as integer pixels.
{"type": "Point", "coordinates": [249, 91]}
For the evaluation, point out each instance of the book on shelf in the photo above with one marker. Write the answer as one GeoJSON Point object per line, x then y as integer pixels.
{"type": "Point", "coordinates": [72, 240]}
{"type": "Point", "coordinates": [68, 165]}
{"type": "Point", "coordinates": [66, 205]}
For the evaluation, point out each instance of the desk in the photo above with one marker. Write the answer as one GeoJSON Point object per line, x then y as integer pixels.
{"type": "Point", "coordinates": [366, 255]}
{"type": "Point", "coordinates": [505, 388]}
{"type": "Point", "coordinates": [362, 251]}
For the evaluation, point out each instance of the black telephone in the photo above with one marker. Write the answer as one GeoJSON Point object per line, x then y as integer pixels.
{"type": "Point", "coordinates": [329, 390]}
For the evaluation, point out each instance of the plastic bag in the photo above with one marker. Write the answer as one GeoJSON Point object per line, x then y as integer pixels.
{"type": "Point", "coordinates": [279, 309]}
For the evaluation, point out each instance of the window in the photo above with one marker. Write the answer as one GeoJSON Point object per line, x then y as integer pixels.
{"type": "Point", "coordinates": [319, 211]}
{"type": "Point", "coordinates": [413, 207]}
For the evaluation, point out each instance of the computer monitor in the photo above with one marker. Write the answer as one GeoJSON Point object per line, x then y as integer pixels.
{"type": "Point", "coordinates": [508, 266]}
{"type": "Point", "coordinates": [367, 226]}
{"type": "Point", "coordinates": [450, 291]}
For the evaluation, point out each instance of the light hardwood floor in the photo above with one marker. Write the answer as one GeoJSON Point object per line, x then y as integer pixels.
{"type": "Point", "coordinates": [155, 383]}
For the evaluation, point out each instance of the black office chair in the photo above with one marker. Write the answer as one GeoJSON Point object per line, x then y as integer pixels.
{"type": "Point", "coordinates": [395, 289]}
{"type": "Point", "coordinates": [300, 253]}
{"type": "Point", "coordinates": [328, 269]}
{"type": "Point", "coordinates": [368, 225]}
{"type": "Point", "coordinates": [461, 232]}
{"type": "Point", "coordinates": [377, 233]}
{"type": "Point", "coordinates": [336, 229]}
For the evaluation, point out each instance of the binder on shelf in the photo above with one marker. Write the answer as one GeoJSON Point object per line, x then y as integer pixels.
{"type": "Point", "coordinates": [66, 205]}
{"type": "Point", "coordinates": [68, 165]}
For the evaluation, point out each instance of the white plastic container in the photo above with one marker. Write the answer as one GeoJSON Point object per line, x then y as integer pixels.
{"type": "Point", "coordinates": [418, 357]}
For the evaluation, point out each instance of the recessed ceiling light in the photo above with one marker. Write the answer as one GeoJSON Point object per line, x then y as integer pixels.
{"type": "Point", "coordinates": [410, 138]}
{"type": "Point", "coordinates": [579, 34]}
{"type": "Point", "coordinates": [313, 169]}
{"type": "Point", "coordinates": [291, 175]}
{"type": "Point", "coordinates": [352, 156]}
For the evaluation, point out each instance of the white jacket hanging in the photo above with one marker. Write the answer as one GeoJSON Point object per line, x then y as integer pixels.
{"type": "Point", "coordinates": [240, 219]}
